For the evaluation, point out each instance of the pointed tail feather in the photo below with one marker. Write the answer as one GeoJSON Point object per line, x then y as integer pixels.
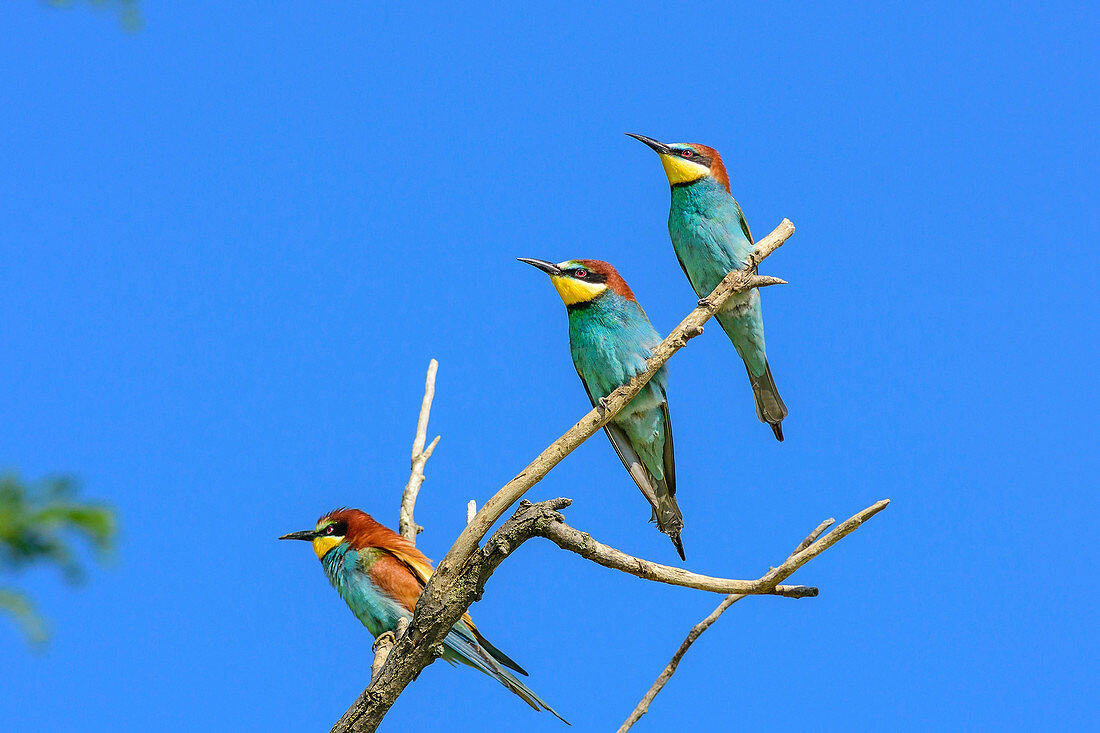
{"type": "Point", "coordinates": [669, 519]}
{"type": "Point", "coordinates": [462, 645]}
{"type": "Point", "coordinates": [498, 654]}
{"type": "Point", "coordinates": [769, 405]}
{"type": "Point", "coordinates": [660, 493]}
{"type": "Point", "coordinates": [509, 680]}
{"type": "Point", "coordinates": [679, 546]}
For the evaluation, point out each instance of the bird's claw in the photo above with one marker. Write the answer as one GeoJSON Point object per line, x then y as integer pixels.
{"type": "Point", "coordinates": [602, 404]}
{"type": "Point", "coordinates": [386, 638]}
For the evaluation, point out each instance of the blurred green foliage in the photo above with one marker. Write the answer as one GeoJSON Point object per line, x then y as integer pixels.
{"type": "Point", "coordinates": [38, 525]}
{"type": "Point", "coordinates": [128, 11]}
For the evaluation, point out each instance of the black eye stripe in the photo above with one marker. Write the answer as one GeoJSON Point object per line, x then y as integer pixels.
{"type": "Point", "coordinates": [588, 276]}
{"type": "Point", "coordinates": [338, 529]}
{"type": "Point", "coordinates": [694, 157]}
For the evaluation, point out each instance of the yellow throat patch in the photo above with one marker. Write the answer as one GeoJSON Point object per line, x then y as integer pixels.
{"type": "Point", "coordinates": [681, 170]}
{"type": "Point", "coordinates": [575, 291]}
{"type": "Point", "coordinates": [322, 545]}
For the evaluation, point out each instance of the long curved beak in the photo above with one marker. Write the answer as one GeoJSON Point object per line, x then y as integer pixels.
{"type": "Point", "coordinates": [548, 267]}
{"type": "Point", "coordinates": [657, 146]}
{"type": "Point", "coordinates": [306, 534]}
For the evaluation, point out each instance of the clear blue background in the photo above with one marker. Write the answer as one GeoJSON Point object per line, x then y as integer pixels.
{"type": "Point", "coordinates": [232, 242]}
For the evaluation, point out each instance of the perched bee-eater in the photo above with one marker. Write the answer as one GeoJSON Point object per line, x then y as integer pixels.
{"type": "Point", "coordinates": [380, 575]}
{"type": "Point", "coordinates": [610, 338]}
{"type": "Point", "coordinates": [711, 238]}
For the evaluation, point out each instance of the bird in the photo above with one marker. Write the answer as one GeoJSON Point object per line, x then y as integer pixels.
{"type": "Point", "coordinates": [380, 575]}
{"type": "Point", "coordinates": [711, 237]}
{"type": "Point", "coordinates": [610, 338]}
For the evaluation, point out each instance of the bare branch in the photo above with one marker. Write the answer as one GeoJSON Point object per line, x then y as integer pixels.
{"type": "Point", "coordinates": [762, 281]}
{"type": "Point", "coordinates": [420, 455]}
{"type": "Point", "coordinates": [643, 706]}
{"type": "Point", "coordinates": [567, 538]}
{"type": "Point", "coordinates": [812, 536]}
{"type": "Point", "coordinates": [383, 644]}
{"type": "Point", "coordinates": [433, 618]}
{"type": "Point", "coordinates": [662, 679]}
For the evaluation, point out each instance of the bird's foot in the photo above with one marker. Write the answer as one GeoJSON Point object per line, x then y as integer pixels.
{"type": "Point", "coordinates": [385, 639]}
{"type": "Point", "coordinates": [602, 404]}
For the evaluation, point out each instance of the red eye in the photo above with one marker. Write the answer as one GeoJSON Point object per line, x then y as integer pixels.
{"type": "Point", "coordinates": [581, 273]}
{"type": "Point", "coordinates": [686, 153]}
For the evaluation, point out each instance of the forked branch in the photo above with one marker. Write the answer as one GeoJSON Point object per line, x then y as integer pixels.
{"type": "Point", "coordinates": [417, 648]}
{"type": "Point", "coordinates": [847, 528]}
{"type": "Point", "coordinates": [406, 526]}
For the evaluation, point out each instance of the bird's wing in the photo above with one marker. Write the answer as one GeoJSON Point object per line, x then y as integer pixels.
{"type": "Point", "coordinates": [393, 577]}
{"type": "Point", "coordinates": [621, 443]}
{"type": "Point", "coordinates": [421, 569]}
{"type": "Point", "coordinates": [414, 560]}
{"type": "Point", "coordinates": [669, 454]}
{"type": "Point", "coordinates": [744, 224]}
{"type": "Point", "coordinates": [633, 462]}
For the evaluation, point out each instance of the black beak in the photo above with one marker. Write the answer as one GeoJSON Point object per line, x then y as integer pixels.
{"type": "Point", "coordinates": [306, 534]}
{"type": "Point", "coordinates": [548, 267]}
{"type": "Point", "coordinates": [657, 146]}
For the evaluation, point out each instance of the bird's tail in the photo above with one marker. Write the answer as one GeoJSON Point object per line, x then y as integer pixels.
{"type": "Point", "coordinates": [769, 405]}
{"type": "Point", "coordinates": [462, 645]}
{"type": "Point", "coordinates": [669, 519]}
{"type": "Point", "coordinates": [528, 695]}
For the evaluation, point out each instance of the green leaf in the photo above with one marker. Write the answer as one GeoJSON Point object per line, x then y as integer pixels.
{"type": "Point", "coordinates": [41, 524]}
{"type": "Point", "coordinates": [17, 605]}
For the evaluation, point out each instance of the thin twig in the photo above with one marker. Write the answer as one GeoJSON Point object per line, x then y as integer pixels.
{"type": "Point", "coordinates": [696, 631]}
{"type": "Point", "coordinates": [420, 455]}
{"type": "Point", "coordinates": [383, 644]}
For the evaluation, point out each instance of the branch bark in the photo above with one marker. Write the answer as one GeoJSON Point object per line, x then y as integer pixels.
{"type": "Point", "coordinates": [567, 538]}
{"type": "Point", "coordinates": [406, 527]}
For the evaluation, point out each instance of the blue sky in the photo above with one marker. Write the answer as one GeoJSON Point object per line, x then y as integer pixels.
{"type": "Point", "coordinates": [232, 242]}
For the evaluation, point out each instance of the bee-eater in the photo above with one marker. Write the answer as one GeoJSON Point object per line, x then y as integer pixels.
{"type": "Point", "coordinates": [711, 238]}
{"type": "Point", "coordinates": [380, 575]}
{"type": "Point", "coordinates": [610, 339]}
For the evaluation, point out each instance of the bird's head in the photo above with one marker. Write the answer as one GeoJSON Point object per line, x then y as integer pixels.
{"type": "Point", "coordinates": [582, 281]}
{"type": "Point", "coordinates": [686, 163]}
{"type": "Point", "coordinates": [339, 526]}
